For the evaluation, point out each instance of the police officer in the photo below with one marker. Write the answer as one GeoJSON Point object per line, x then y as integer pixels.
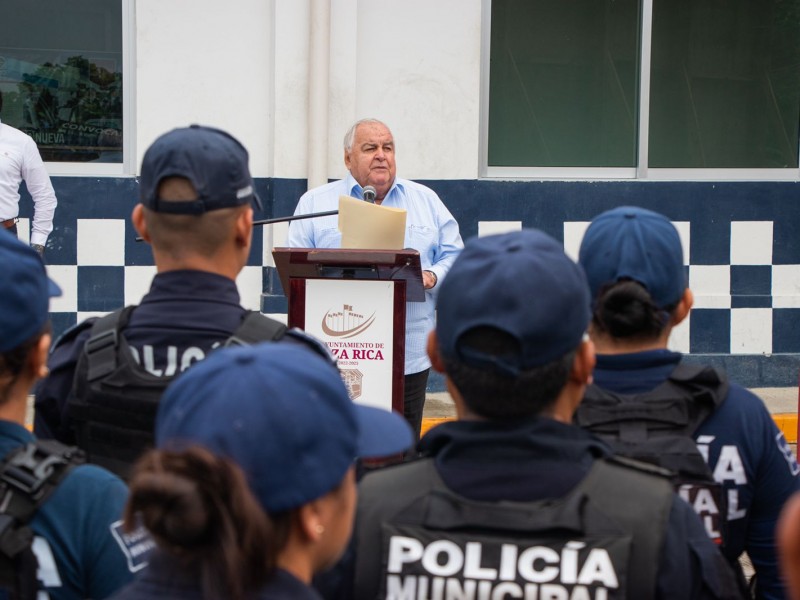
{"type": "Point", "coordinates": [634, 263]}
{"type": "Point", "coordinates": [513, 501]}
{"type": "Point", "coordinates": [78, 539]}
{"type": "Point", "coordinates": [252, 488]}
{"type": "Point", "coordinates": [196, 196]}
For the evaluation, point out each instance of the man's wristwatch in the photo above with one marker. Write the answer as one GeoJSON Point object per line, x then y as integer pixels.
{"type": "Point", "coordinates": [39, 248]}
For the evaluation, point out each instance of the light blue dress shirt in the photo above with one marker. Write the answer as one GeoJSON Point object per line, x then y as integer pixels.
{"type": "Point", "coordinates": [430, 229]}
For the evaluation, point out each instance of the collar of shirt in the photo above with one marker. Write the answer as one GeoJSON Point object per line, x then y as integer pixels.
{"type": "Point", "coordinates": [518, 460]}
{"type": "Point", "coordinates": [635, 372]}
{"type": "Point", "coordinates": [356, 191]}
{"type": "Point", "coordinates": [190, 285]}
{"type": "Point", "coordinates": [13, 435]}
{"type": "Point", "coordinates": [166, 573]}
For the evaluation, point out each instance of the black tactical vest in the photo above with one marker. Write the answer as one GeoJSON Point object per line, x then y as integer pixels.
{"type": "Point", "coordinates": [657, 427]}
{"type": "Point", "coordinates": [418, 539]}
{"type": "Point", "coordinates": [28, 477]}
{"type": "Point", "coordinates": [114, 400]}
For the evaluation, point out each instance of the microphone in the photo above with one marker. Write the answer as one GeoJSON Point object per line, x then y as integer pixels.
{"type": "Point", "coordinates": [369, 194]}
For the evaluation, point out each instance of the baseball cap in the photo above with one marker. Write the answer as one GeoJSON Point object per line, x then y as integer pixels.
{"type": "Point", "coordinates": [520, 283]}
{"type": "Point", "coordinates": [280, 411]}
{"type": "Point", "coordinates": [25, 292]}
{"type": "Point", "coordinates": [214, 161]}
{"type": "Point", "coordinates": [629, 242]}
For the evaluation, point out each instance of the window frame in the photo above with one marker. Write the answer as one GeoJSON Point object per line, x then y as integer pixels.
{"type": "Point", "coordinates": [128, 165]}
{"type": "Point", "coordinates": [642, 171]}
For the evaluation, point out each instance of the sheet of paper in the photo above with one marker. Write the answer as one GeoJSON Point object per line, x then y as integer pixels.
{"type": "Point", "coordinates": [370, 226]}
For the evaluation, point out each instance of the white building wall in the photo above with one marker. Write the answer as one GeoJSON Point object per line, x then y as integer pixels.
{"type": "Point", "coordinates": [242, 65]}
{"type": "Point", "coordinates": [209, 62]}
{"type": "Point", "coordinates": [419, 69]}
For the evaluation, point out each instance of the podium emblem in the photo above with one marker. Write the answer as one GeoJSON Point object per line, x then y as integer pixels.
{"type": "Point", "coordinates": [345, 323]}
{"type": "Point", "coordinates": [353, 380]}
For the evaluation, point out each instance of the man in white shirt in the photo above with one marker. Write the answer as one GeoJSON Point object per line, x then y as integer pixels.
{"type": "Point", "coordinates": [20, 159]}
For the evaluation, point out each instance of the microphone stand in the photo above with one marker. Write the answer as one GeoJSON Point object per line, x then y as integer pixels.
{"type": "Point", "coordinates": [326, 213]}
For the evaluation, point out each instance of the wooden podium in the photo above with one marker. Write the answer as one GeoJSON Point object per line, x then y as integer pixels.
{"type": "Point", "coordinates": [355, 301]}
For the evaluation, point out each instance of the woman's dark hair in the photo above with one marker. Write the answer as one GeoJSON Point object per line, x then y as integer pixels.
{"type": "Point", "coordinates": [200, 509]}
{"type": "Point", "coordinates": [625, 310]}
{"type": "Point", "coordinates": [498, 396]}
{"type": "Point", "coordinates": [14, 361]}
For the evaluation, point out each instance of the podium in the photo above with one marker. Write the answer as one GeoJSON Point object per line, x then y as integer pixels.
{"type": "Point", "coordinates": [355, 302]}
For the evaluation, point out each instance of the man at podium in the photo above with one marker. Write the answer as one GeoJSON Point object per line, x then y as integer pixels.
{"type": "Point", "coordinates": [369, 155]}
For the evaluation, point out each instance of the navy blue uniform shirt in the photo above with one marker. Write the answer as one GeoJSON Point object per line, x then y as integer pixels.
{"type": "Point", "coordinates": [745, 450]}
{"type": "Point", "coordinates": [166, 578]}
{"type": "Point", "coordinates": [185, 316]}
{"type": "Point", "coordinates": [79, 543]}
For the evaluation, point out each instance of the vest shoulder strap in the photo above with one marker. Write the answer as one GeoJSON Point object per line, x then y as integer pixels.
{"type": "Point", "coordinates": [103, 343]}
{"type": "Point", "coordinates": [707, 384]}
{"type": "Point", "coordinates": [28, 477]}
{"type": "Point", "coordinates": [256, 327]}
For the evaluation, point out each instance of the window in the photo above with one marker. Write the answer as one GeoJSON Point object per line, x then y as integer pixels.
{"type": "Point", "coordinates": [725, 84]}
{"type": "Point", "coordinates": [61, 76]}
{"type": "Point", "coordinates": [563, 83]}
{"type": "Point", "coordinates": [566, 79]}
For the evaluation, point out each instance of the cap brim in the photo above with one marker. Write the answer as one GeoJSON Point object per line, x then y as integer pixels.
{"type": "Point", "coordinates": [381, 433]}
{"type": "Point", "coordinates": [52, 288]}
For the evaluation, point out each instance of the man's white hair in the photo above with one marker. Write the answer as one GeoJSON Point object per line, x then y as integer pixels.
{"type": "Point", "coordinates": [350, 136]}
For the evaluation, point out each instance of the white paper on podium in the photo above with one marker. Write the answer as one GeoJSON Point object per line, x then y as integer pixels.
{"type": "Point", "coordinates": [371, 226]}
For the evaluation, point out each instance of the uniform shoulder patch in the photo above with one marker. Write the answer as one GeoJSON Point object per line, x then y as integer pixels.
{"type": "Point", "coordinates": [136, 545]}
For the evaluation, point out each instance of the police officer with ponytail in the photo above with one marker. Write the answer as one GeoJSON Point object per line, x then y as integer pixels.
{"type": "Point", "coordinates": [511, 500]}
{"type": "Point", "coordinates": [60, 521]}
{"type": "Point", "coordinates": [251, 489]}
{"type": "Point", "coordinates": [633, 260]}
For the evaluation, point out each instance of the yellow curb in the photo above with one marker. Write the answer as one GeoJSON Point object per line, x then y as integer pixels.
{"type": "Point", "coordinates": [431, 422]}
{"type": "Point", "coordinates": [786, 422]}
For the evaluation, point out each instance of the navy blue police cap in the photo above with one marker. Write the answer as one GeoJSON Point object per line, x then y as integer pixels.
{"type": "Point", "coordinates": [521, 283]}
{"type": "Point", "coordinates": [283, 414]}
{"type": "Point", "coordinates": [634, 243]}
{"type": "Point", "coordinates": [213, 161]}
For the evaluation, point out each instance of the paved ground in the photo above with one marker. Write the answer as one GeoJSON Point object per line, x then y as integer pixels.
{"type": "Point", "coordinates": [778, 401]}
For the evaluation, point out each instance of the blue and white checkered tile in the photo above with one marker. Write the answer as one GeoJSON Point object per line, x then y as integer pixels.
{"type": "Point", "coordinates": [109, 272]}
{"type": "Point", "coordinates": [747, 305]}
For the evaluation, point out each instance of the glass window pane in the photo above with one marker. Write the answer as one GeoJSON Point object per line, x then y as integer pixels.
{"type": "Point", "coordinates": [563, 83]}
{"type": "Point", "coordinates": [725, 84]}
{"type": "Point", "coordinates": [61, 76]}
